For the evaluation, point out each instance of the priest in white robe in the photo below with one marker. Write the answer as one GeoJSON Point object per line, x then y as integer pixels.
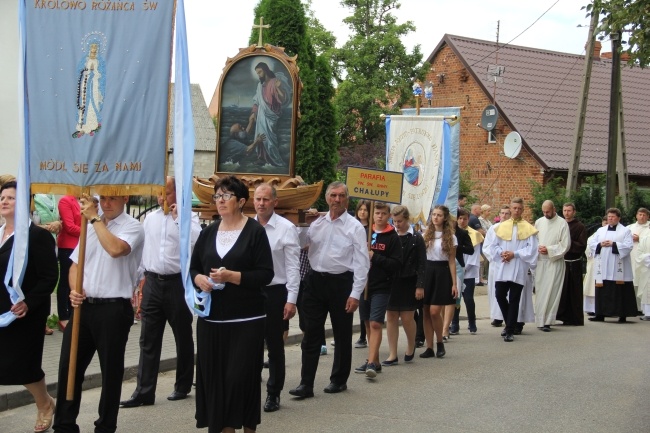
{"type": "Point", "coordinates": [643, 275]}
{"type": "Point", "coordinates": [512, 253]}
{"type": "Point", "coordinates": [611, 248]}
{"type": "Point", "coordinates": [589, 281]}
{"type": "Point", "coordinates": [639, 229]}
{"type": "Point", "coordinates": [554, 241]}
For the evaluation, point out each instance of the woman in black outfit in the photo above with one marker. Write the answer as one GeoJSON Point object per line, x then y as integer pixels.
{"type": "Point", "coordinates": [22, 340]}
{"type": "Point", "coordinates": [232, 261]}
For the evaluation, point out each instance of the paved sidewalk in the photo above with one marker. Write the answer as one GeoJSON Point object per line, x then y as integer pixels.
{"type": "Point", "coordinates": [15, 396]}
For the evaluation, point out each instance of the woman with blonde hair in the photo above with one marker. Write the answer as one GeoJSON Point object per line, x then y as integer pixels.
{"type": "Point", "coordinates": [440, 287]}
{"type": "Point", "coordinates": [408, 286]}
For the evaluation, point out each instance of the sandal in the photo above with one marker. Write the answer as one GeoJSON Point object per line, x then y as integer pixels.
{"type": "Point", "coordinates": [44, 419]}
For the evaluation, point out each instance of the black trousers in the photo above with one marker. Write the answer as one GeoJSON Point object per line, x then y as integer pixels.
{"type": "Point", "coordinates": [104, 328]}
{"type": "Point", "coordinates": [509, 305]}
{"type": "Point", "coordinates": [276, 298]}
{"type": "Point", "coordinates": [327, 293]}
{"type": "Point", "coordinates": [164, 301]}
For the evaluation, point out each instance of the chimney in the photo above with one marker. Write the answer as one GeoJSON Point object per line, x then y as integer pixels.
{"type": "Point", "coordinates": [597, 47]}
{"type": "Point", "coordinates": [625, 57]}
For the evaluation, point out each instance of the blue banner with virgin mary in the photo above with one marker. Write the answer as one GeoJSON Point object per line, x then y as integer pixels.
{"type": "Point", "coordinates": [97, 83]}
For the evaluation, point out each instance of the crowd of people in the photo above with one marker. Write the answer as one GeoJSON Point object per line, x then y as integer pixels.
{"type": "Point", "coordinates": [257, 273]}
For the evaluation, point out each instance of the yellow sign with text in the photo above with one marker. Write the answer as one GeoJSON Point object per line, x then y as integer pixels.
{"type": "Point", "coordinates": [377, 185]}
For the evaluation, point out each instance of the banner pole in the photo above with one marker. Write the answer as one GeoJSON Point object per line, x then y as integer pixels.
{"type": "Point", "coordinates": [74, 338]}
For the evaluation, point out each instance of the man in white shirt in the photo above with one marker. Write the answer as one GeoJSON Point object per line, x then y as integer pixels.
{"type": "Point", "coordinates": [114, 245]}
{"type": "Point", "coordinates": [513, 252]}
{"type": "Point", "coordinates": [163, 300]}
{"type": "Point", "coordinates": [554, 241]}
{"type": "Point", "coordinates": [338, 255]}
{"type": "Point", "coordinates": [282, 293]}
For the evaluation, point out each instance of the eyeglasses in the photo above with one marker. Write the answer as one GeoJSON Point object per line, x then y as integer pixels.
{"type": "Point", "coordinates": [226, 196]}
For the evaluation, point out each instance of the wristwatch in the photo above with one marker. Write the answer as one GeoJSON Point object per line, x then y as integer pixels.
{"type": "Point", "coordinates": [95, 219]}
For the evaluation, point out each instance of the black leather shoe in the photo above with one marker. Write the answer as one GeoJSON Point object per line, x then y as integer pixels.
{"type": "Point", "coordinates": [508, 338]}
{"type": "Point", "coordinates": [429, 353]}
{"type": "Point", "coordinates": [302, 391]}
{"type": "Point", "coordinates": [596, 319]}
{"type": "Point", "coordinates": [440, 350]}
{"type": "Point", "coordinates": [333, 388]}
{"type": "Point", "coordinates": [503, 333]}
{"type": "Point", "coordinates": [177, 395]}
{"type": "Point", "coordinates": [272, 403]}
{"type": "Point", "coordinates": [136, 402]}
{"type": "Point", "coordinates": [497, 323]}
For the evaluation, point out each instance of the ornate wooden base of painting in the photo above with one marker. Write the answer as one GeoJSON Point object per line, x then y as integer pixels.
{"type": "Point", "coordinates": [294, 196]}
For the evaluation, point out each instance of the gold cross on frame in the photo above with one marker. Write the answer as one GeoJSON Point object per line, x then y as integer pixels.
{"type": "Point", "coordinates": [261, 26]}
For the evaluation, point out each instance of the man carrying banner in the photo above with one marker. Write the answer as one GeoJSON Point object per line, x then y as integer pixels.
{"type": "Point", "coordinates": [339, 259]}
{"type": "Point", "coordinates": [163, 300]}
{"type": "Point", "coordinates": [282, 293]}
{"type": "Point", "coordinates": [113, 251]}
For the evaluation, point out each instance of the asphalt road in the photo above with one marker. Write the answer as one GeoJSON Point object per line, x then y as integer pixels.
{"type": "Point", "coordinates": [587, 379]}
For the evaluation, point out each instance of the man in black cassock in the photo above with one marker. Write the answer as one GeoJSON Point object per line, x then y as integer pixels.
{"type": "Point", "coordinates": [570, 309]}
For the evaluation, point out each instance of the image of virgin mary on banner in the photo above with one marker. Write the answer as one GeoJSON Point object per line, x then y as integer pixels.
{"type": "Point", "coordinates": [97, 81]}
{"type": "Point", "coordinates": [421, 147]}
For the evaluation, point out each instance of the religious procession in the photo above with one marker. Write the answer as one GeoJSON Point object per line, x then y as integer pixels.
{"type": "Point", "coordinates": [275, 233]}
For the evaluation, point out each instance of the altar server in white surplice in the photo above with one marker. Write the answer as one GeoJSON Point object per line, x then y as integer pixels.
{"type": "Point", "coordinates": [611, 247]}
{"type": "Point", "coordinates": [554, 241]}
{"type": "Point", "coordinates": [513, 252]}
{"type": "Point", "coordinates": [643, 275]}
{"type": "Point", "coordinates": [639, 229]}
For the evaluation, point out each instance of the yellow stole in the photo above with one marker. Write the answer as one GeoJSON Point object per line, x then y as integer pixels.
{"type": "Point", "coordinates": [524, 230]}
{"type": "Point", "coordinates": [475, 236]}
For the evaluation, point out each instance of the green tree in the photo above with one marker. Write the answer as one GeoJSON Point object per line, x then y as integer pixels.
{"type": "Point", "coordinates": [317, 144]}
{"type": "Point", "coordinates": [374, 70]}
{"type": "Point", "coordinates": [631, 16]}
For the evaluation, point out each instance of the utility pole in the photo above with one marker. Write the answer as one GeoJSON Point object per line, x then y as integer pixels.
{"type": "Point", "coordinates": [572, 178]}
{"type": "Point", "coordinates": [610, 192]}
{"type": "Point", "coordinates": [621, 155]}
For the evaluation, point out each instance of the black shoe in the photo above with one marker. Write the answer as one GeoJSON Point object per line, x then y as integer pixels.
{"type": "Point", "coordinates": [622, 320]}
{"type": "Point", "coordinates": [333, 388]}
{"type": "Point", "coordinates": [136, 402]}
{"type": "Point", "coordinates": [177, 395]}
{"type": "Point", "coordinates": [508, 338]}
{"type": "Point", "coordinates": [428, 353]}
{"type": "Point", "coordinates": [272, 403]}
{"type": "Point", "coordinates": [440, 350]}
{"type": "Point", "coordinates": [546, 328]}
{"type": "Point", "coordinates": [266, 364]}
{"type": "Point", "coordinates": [503, 333]}
{"type": "Point", "coordinates": [419, 343]}
{"type": "Point", "coordinates": [497, 323]}
{"type": "Point", "coordinates": [302, 391]}
{"type": "Point", "coordinates": [518, 331]}
{"type": "Point", "coordinates": [596, 319]}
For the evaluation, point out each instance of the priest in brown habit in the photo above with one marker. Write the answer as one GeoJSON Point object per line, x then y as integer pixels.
{"type": "Point", "coordinates": [570, 309]}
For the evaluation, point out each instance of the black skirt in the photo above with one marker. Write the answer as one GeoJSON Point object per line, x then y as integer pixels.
{"type": "Point", "coordinates": [616, 300]}
{"type": "Point", "coordinates": [437, 284]}
{"type": "Point", "coordinates": [228, 374]}
{"type": "Point", "coordinates": [402, 295]}
{"type": "Point", "coordinates": [22, 342]}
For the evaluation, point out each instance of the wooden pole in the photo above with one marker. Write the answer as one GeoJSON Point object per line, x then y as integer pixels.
{"type": "Point", "coordinates": [610, 190]}
{"type": "Point", "coordinates": [572, 178]}
{"type": "Point", "coordinates": [74, 338]}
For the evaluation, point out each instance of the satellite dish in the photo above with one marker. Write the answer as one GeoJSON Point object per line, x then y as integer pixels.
{"type": "Point", "coordinates": [489, 117]}
{"type": "Point", "coordinates": [512, 145]}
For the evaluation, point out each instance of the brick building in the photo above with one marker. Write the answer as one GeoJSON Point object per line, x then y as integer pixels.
{"type": "Point", "coordinates": [539, 99]}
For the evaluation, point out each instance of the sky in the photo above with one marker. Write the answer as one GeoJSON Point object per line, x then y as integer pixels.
{"type": "Point", "coordinates": [216, 33]}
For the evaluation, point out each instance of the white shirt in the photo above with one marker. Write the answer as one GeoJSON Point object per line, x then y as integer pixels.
{"type": "Point", "coordinates": [162, 246]}
{"type": "Point", "coordinates": [516, 270]}
{"type": "Point", "coordinates": [338, 246]}
{"type": "Point", "coordinates": [285, 249]}
{"type": "Point", "coordinates": [108, 277]}
{"type": "Point", "coordinates": [434, 251]}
